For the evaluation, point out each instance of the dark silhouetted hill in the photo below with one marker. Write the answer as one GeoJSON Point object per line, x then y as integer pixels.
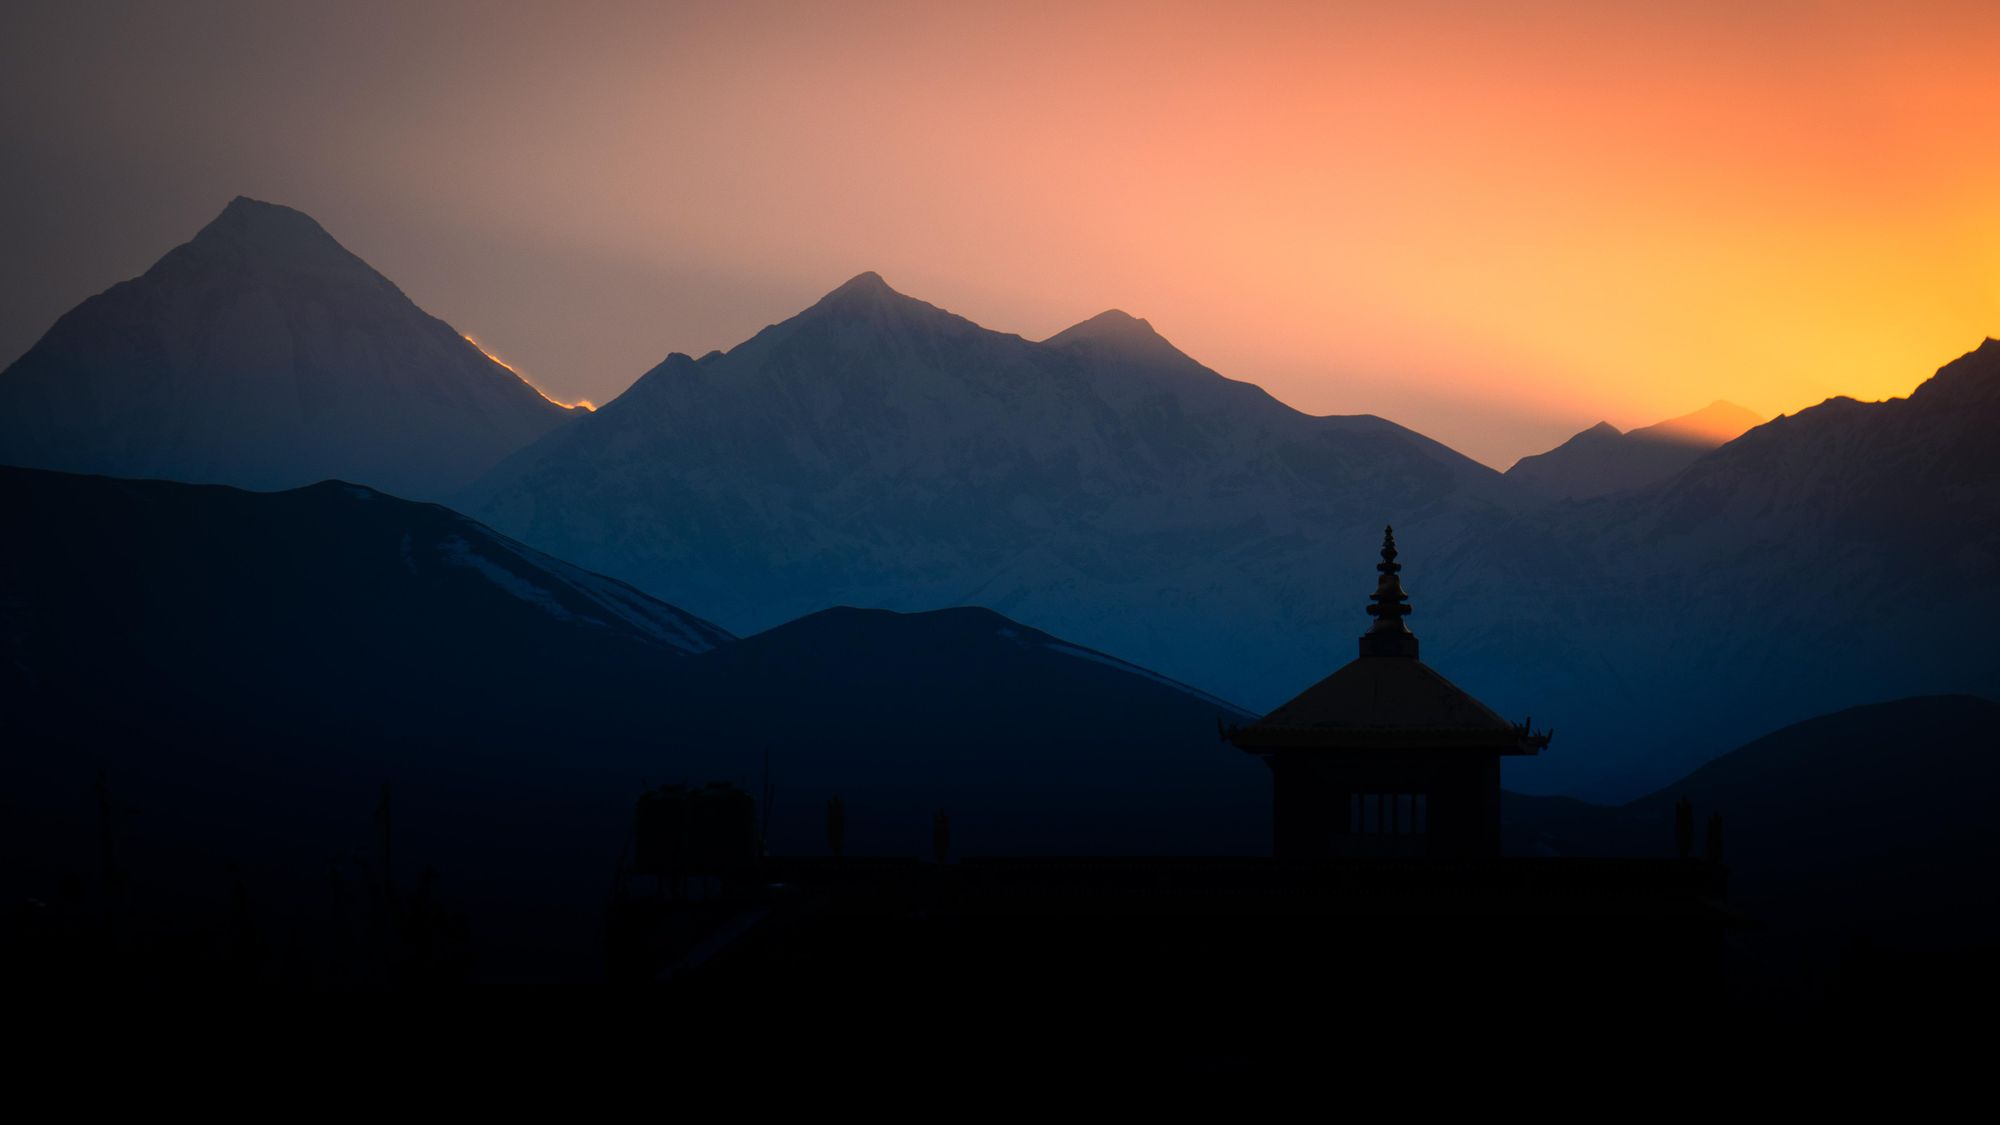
{"type": "Point", "coordinates": [309, 601]}
{"type": "Point", "coordinates": [246, 670]}
{"type": "Point", "coordinates": [1033, 745]}
{"type": "Point", "coordinates": [263, 354]}
{"type": "Point", "coordinates": [1876, 822]}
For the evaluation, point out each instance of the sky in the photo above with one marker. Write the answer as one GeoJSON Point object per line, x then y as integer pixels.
{"type": "Point", "coordinates": [1495, 223]}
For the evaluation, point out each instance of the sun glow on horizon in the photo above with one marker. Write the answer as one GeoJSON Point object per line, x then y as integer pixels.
{"type": "Point", "coordinates": [1497, 227]}
{"type": "Point", "coordinates": [1494, 224]}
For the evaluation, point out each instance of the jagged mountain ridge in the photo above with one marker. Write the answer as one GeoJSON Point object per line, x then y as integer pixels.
{"type": "Point", "coordinates": [875, 450]}
{"type": "Point", "coordinates": [263, 354]}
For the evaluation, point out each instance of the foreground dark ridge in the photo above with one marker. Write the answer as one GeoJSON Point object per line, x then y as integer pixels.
{"type": "Point", "coordinates": [253, 669]}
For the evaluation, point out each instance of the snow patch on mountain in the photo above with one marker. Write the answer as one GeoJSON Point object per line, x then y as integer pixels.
{"type": "Point", "coordinates": [657, 620]}
{"type": "Point", "coordinates": [615, 600]}
{"type": "Point", "coordinates": [455, 551]}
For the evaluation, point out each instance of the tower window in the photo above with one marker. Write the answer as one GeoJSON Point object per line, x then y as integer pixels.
{"type": "Point", "coordinates": [1388, 814]}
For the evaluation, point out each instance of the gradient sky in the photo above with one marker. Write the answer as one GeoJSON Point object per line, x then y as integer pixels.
{"type": "Point", "coordinates": [1497, 223]}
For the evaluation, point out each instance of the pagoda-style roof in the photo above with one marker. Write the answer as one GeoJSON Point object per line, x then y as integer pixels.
{"type": "Point", "coordinates": [1387, 698]}
{"type": "Point", "coordinates": [1385, 702]}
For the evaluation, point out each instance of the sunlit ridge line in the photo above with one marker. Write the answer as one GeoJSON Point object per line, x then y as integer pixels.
{"type": "Point", "coordinates": [580, 404]}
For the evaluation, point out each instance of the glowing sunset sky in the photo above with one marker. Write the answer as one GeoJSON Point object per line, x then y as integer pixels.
{"type": "Point", "coordinates": [1495, 223]}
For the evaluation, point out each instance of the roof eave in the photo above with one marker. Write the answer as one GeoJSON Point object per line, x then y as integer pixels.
{"type": "Point", "coordinates": [1257, 741]}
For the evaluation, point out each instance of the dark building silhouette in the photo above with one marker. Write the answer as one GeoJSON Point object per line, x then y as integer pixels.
{"type": "Point", "coordinates": [1386, 756]}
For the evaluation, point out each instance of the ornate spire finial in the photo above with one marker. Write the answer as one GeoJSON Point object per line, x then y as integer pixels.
{"type": "Point", "coordinates": [1388, 606]}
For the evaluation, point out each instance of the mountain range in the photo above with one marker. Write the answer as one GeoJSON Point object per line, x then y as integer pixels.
{"type": "Point", "coordinates": [877, 451]}
{"type": "Point", "coordinates": [263, 354]}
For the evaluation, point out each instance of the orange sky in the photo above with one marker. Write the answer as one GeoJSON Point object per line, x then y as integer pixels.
{"type": "Point", "coordinates": [1495, 223]}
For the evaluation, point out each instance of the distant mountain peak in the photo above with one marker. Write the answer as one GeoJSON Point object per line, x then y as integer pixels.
{"type": "Point", "coordinates": [1119, 332]}
{"type": "Point", "coordinates": [252, 228]}
{"type": "Point", "coordinates": [254, 242]}
{"type": "Point", "coordinates": [866, 295]}
{"type": "Point", "coordinates": [245, 207]}
{"type": "Point", "coordinates": [1111, 324]}
{"type": "Point", "coordinates": [1718, 422]}
{"type": "Point", "coordinates": [866, 282]}
{"type": "Point", "coordinates": [1114, 321]}
{"type": "Point", "coordinates": [865, 290]}
{"type": "Point", "coordinates": [1603, 460]}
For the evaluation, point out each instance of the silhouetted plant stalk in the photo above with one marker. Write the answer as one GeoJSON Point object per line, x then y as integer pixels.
{"type": "Point", "coordinates": [418, 944]}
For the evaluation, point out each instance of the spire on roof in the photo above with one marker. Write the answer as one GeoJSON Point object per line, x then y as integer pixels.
{"type": "Point", "coordinates": [1388, 606]}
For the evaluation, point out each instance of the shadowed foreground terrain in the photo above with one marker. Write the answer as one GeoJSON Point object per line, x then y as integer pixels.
{"type": "Point", "coordinates": [1861, 846]}
{"type": "Point", "coordinates": [206, 691]}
